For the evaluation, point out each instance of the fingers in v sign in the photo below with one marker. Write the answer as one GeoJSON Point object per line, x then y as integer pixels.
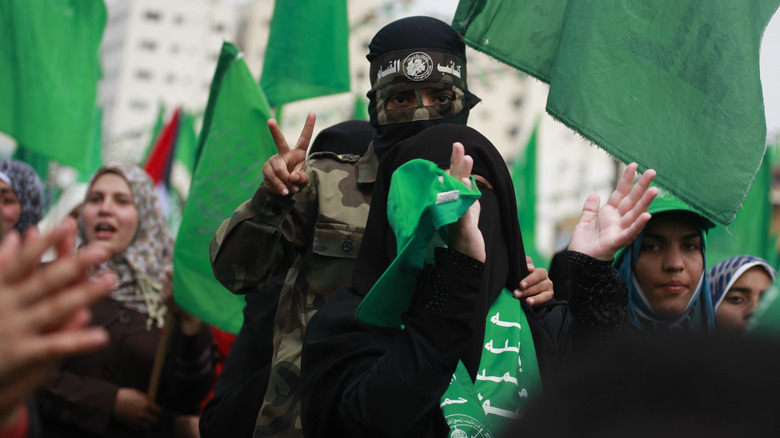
{"type": "Point", "coordinates": [285, 172]}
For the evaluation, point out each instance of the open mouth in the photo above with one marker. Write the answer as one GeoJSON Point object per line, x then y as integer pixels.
{"type": "Point", "coordinates": [104, 231]}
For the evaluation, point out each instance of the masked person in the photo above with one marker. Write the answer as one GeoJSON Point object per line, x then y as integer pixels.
{"type": "Point", "coordinates": [737, 285]}
{"type": "Point", "coordinates": [388, 370]}
{"type": "Point", "coordinates": [308, 216]}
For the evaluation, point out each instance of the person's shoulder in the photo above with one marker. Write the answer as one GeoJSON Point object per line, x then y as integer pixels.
{"type": "Point", "coordinates": [324, 159]}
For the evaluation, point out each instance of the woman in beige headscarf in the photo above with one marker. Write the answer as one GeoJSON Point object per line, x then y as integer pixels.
{"type": "Point", "coordinates": [106, 393]}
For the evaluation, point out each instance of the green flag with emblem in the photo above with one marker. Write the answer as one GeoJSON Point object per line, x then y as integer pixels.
{"type": "Point", "coordinates": [671, 84]}
{"type": "Point", "coordinates": [307, 53]}
{"type": "Point", "coordinates": [49, 70]}
{"type": "Point", "coordinates": [232, 148]}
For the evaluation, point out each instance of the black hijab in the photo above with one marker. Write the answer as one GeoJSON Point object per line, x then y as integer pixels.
{"type": "Point", "coordinates": [505, 265]}
{"type": "Point", "coordinates": [346, 138]}
{"type": "Point", "coordinates": [405, 35]}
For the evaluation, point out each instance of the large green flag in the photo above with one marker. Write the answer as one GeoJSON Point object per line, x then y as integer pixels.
{"type": "Point", "coordinates": [671, 84]}
{"type": "Point", "coordinates": [750, 233]}
{"type": "Point", "coordinates": [49, 69]}
{"type": "Point", "coordinates": [232, 148]}
{"type": "Point", "coordinates": [307, 52]}
{"type": "Point", "coordinates": [524, 180]}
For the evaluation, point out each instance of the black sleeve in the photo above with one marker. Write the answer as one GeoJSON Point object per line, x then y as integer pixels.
{"type": "Point", "coordinates": [598, 302]}
{"type": "Point", "coordinates": [240, 388]}
{"type": "Point", "coordinates": [362, 380]}
{"type": "Point", "coordinates": [189, 371]}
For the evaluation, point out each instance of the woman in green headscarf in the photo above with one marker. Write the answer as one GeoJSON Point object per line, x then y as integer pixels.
{"type": "Point", "coordinates": [658, 282]}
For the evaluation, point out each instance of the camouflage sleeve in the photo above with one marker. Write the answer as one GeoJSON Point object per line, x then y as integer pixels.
{"type": "Point", "coordinates": [260, 239]}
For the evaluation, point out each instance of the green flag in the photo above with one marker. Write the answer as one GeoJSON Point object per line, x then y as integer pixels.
{"type": "Point", "coordinates": [750, 233]}
{"type": "Point", "coordinates": [360, 110]}
{"type": "Point", "coordinates": [671, 84]}
{"type": "Point", "coordinates": [184, 156]}
{"type": "Point", "coordinates": [49, 70]}
{"type": "Point", "coordinates": [158, 125]}
{"type": "Point", "coordinates": [524, 180]}
{"type": "Point", "coordinates": [307, 52]}
{"type": "Point", "coordinates": [37, 161]}
{"type": "Point", "coordinates": [232, 149]}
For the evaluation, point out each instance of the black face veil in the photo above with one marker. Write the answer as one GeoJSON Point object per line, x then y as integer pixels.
{"type": "Point", "coordinates": [505, 265]}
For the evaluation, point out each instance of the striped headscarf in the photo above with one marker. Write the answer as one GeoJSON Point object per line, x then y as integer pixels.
{"type": "Point", "coordinates": [723, 275]}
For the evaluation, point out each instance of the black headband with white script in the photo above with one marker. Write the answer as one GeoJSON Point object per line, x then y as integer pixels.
{"type": "Point", "coordinates": [417, 65]}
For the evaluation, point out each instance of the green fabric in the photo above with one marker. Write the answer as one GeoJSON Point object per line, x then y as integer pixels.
{"type": "Point", "coordinates": [766, 319]}
{"type": "Point", "coordinates": [158, 124]}
{"type": "Point", "coordinates": [307, 52]}
{"type": "Point", "coordinates": [750, 233]}
{"type": "Point", "coordinates": [38, 162]}
{"type": "Point", "coordinates": [49, 69]}
{"type": "Point", "coordinates": [524, 180]}
{"type": "Point", "coordinates": [507, 379]}
{"type": "Point", "coordinates": [422, 200]}
{"type": "Point", "coordinates": [233, 147]}
{"type": "Point", "coordinates": [671, 84]}
{"type": "Point", "coordinates": [186, 142]}
{"type": "Point", "coordinates": [360, 111]}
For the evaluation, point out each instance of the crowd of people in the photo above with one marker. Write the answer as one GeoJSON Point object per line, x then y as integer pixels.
{"type": "Point", "coordinates": [388, 294]}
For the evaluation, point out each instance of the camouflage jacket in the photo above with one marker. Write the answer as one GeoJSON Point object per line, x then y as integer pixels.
{"type": "Point", "coordinates": [314, 236]}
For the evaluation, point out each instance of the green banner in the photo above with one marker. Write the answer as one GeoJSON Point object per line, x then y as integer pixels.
{"type": "Point", "coordinates": [307, 52]}
{"type": "Point", "coordinates": [750, 233]}
{"type": "Point", "coordinates": [49, 70]}
{"type": "Point", "coordinates": [671, 84]}
{"type": "Point", "coordinates": [233, 146]}
{"type": "Point", "coordinates": [524, 180]}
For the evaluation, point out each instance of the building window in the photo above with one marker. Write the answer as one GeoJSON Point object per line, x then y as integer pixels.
{"type": "Point", "coordinates": [148, 44]}
{"type": "Point", "coordinates": [139, 105]}
{"type": "Point", "coordinates": [152, 15]}
{"type": "Point", "coordinates": [143, 74]}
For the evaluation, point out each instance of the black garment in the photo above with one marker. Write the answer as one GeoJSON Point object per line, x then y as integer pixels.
{"type": "Point", "coordinates": [599, 297]}
{"type": "Point", "coordinates": [362, 380]}
{"type": "Point", "coordinates": [498, 222]}
{"type": "Point", "coordinates": [238, 394]}
{"type": "Point", "coordinates": [560, 274]}
{"type": "Point", "coordinates": [664, 386]}
{"type": "Point", "coordinates": [77, 399]}
{"type": "Point", "coordinates": [346, 138]}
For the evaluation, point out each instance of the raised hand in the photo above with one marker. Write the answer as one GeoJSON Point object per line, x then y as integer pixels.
{"type": "Point", "coordinates": [465, 236]}
{"type": "Point", "coordinates": [601, 233]}
{"type": "Point", "coordinates": [43, 310]}
{"type": "Point", "coordinates": [285, 172]}
{"type": "Point", "coordinates": [536, 288]}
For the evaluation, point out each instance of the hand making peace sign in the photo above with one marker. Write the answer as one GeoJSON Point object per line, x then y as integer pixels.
{"type": "Point", "coordinates": [285, 172]}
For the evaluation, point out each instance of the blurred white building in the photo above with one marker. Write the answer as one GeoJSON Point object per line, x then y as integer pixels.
{"type": "Point", "coordinates": [156, 53]}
